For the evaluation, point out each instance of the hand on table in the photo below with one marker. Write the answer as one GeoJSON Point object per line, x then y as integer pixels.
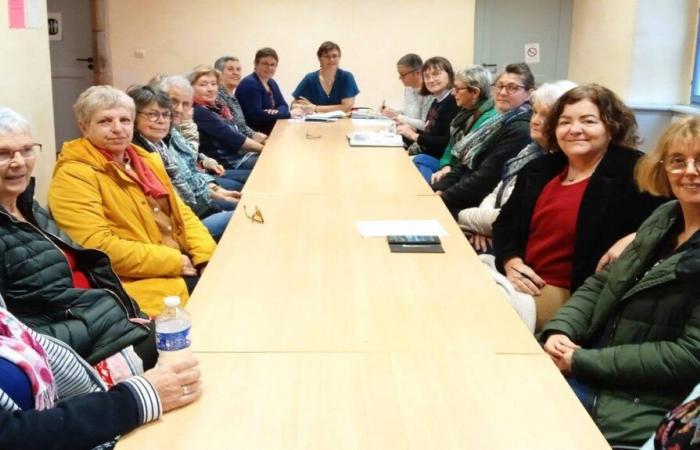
{"type": "Point", "coordinates": [178, 382]}
{"type": "Point", "coordinates": [390, 112]}
{"type": "Point", "coordinates": [407, 131]}
{"type": "Point", "coordinates": [260, 137]}
{"type": "Point", "coordinates": [480, 242]}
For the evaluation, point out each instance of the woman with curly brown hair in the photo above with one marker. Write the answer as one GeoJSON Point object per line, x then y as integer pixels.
{"type": "Point", "coordinates": [569, 207]}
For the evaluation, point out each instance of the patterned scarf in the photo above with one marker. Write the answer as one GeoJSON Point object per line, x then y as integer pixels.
{"type": "Point", "coordinates": [465, 120]}
{"type": "Point", "coordinates": [473, 144]}
{"type": "Point", "coordinates": [514, 164]}
{"type": "Point", "coordinates": [216, 107]}
{"type": "Point", "coordinates": [145, 178]}
{"type": "Point", "coordinates": [19, 347]}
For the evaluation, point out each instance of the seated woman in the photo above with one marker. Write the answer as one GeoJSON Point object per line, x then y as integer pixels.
{"type": "Point", "coordinates": [219, 136]}
{"type": "Point", "coordinates": [37, 371]}
{"type": "Point", "coordinates": [230, 69]}
{"type": "Point", "coordinates": [569, 207]}
{"type": "Point", "coordinates": [116, 197]}
{"type": "Point", "coordinates": [477, 221]}
{"type": "Point", "coordinates": [211, 203]}
{"type": "Point", "coordinates": [181, 95]}
{"type": "Point", "coordinates": [629, 338]}
{"type": "Point", "coordinates": [51, 284]}
{"type": "Point", "coordinates": [479, 157]}
{"type": "Point", "coordinates": [472, 95]}
{"type": "Point", "coordinates": [415, 105]}
{"type": "Point", "coordinates": [438, 79]}
{"type": "Point", "coordinates": [260, 96]}
{"type": "Point", "coordinates": [328, 89]}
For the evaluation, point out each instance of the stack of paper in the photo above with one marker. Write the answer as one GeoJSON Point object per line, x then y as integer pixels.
{"type": "Point", "coordinates": [330, 116]}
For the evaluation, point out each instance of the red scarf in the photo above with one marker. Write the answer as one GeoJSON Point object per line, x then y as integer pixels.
{"type": "Point", "coordinates": [215, 106]}
{"type": "Point", "coordinates": [146, 179]}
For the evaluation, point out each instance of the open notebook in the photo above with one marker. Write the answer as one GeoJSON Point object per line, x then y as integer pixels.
{"type": "Point", "coordinates": [374, 139]}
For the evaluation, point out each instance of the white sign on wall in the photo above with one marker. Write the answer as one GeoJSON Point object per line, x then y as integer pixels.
{"type": "Point", "coordinates": [532, 53]}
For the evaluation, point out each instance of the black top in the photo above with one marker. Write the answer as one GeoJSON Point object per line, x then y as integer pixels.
{"type": "Point", "coordinates": [436, 135]}
{"type": "Point", "coordinates": [463, 187]}
{"type": "Point", "coordinates": [611, 208]}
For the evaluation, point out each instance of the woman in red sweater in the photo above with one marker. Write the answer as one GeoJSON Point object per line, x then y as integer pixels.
{"type": "Point", "coordinates": [569, 207]}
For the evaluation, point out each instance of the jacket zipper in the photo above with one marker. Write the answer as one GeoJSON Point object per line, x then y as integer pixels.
{"type": "Point", "coordinates": [48, 236]}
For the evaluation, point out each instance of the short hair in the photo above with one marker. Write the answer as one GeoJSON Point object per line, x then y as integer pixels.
{"type": "Point", "coordinates": [523, 71]}
{"type": "Point", "coordinates": [327, 47]}
{"type": "Point", "coordinates": [410, 60]}
{"type": "Point", "coordinates": [220, 63]}
{"type": "Point", "coordinates": [476, 77]}
{"type": "Point", "coordinates": [200, 71]}
{"type": "Point", "coordinates": [145, 95]}
{"type": "Point", "coordinates": [548, 93]}
{"type": "Point", "coordinates": [101, 97]}
{"type": "Point", "coordinates": [176, 81]}
{"type": "Point", "coordinates": [266, 52]}
{"type": "Point", "coordinates": [650, 173]}
{"type": "Point", "coordinates": [157, 80]}
{"type": "Point", "coordinates": [437, 62]}
{"type": "Point", "coordinates": [618, 119]}
{"type": "Point", "coordinates": [12, 123]}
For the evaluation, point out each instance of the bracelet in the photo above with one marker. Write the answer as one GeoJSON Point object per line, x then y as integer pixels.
{"type": "Point", "coordinates": [215, 187]}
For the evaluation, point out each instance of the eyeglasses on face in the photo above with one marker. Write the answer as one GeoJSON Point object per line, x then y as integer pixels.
{"type": "Point", "coordinates": [153, 116]}
{"type": "Point", "coordinates": [510, 88]}
{"type": "Point", "coordinates": [256, 216]}
{"type": "Point", "coordinates": [678, 164]}
{"type": "Point", "coordinates": [457, 88]}
{"type": "Point", "coordinates": [27, 152]}
{"type": "Point", "coordinates": [405, 74]}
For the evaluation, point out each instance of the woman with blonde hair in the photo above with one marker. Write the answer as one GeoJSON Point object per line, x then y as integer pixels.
{"type": "Point", "coordinates": [629, 338]}
{"type": "Point", "coordinates": [114, 196]}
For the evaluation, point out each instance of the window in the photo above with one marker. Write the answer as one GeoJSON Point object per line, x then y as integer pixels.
{"type": "Point", "coordinates": [695, 86]}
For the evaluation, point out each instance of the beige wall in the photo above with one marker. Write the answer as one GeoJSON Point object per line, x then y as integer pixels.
{"type": "Point", "coordinates": [26, 87]}
{"type": "Point", "coordinates": [178, 34]}
{"type": "Point", "coordinates": [642, 49]}
{"type": "Point", "coordinates": [663, 51]}
{"type": "Point", "coordinates": [602, 39]}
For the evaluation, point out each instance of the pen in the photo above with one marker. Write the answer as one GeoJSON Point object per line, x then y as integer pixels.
{"type": "Point", "coordinates": [383, 104]}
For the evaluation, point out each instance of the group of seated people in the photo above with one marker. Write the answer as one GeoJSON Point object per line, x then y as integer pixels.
{"type": "Point", "coordinates": [593, 242]}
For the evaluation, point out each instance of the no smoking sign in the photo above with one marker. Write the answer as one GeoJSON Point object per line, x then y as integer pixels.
{"type": "Point", "coordinates": [532, 53]}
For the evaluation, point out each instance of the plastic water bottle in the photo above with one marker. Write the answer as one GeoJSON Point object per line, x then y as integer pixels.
{"type": "Point", "coordinates": [173, 327]}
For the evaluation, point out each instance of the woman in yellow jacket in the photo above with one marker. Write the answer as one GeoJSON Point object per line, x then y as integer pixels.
{"type": "Point", "coordinates": [109, 194]}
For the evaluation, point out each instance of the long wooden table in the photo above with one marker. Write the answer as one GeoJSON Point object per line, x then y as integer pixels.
{"type": "Point", "coordinates": [313, 337]}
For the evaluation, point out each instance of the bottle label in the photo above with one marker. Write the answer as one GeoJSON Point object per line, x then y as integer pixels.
{"type": "Point", "coordinates": [170, 342]}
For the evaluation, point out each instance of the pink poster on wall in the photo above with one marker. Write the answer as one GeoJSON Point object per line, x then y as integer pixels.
{"type": "Point", "coordinates": [15, 10]}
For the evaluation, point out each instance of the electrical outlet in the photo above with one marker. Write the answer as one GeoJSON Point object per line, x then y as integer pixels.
{"type": "Point", "coordinates": [139, 53]}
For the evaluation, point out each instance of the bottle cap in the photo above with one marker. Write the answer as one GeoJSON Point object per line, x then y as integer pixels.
{"type": "Point", "coordinates": [172, 301]}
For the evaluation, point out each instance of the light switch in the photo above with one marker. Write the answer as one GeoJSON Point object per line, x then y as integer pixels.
{"type": "Point", "coordinates": [139, 53]}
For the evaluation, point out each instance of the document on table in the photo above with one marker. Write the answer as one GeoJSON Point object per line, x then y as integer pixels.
{"type": "Point", "coordinates": [372, 122]}
{"type": "Point", "coordinates": [330, 116]}
{"type": "Point", "coordinates": [382, 228]}
{"type": "Point", "coordinates": [374, 139]}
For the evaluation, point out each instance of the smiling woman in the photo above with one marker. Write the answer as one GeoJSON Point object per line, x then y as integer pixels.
{"type": "Point", "coordinates": [116, 197]}
{"type": "Point", "coordinates": [569, 207]}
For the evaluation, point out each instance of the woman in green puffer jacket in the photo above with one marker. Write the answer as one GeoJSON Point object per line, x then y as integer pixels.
{"type": "Point", "coordinates": [628, 340]}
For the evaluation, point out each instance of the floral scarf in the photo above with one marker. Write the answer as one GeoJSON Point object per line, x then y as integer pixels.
{"type": "Point", "coordinates": [215, 106]}
{"type": "Point", "coordinates": [465, 120]}
{"type": "Point", "coordinates": [532, 151]}
{"type": "Point", "coordinates": [473, 144]}
{"type": "Point", "coordinates": [19, 347]}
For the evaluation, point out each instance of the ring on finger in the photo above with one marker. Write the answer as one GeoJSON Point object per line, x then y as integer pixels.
{"type": "Point", "coordinates": [185, 390]}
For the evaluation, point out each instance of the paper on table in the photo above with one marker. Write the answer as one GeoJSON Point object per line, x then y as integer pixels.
{"type": "Point", "coordinates": [381, 228]}
{"type": "Point", "coordinates": [372, 122]}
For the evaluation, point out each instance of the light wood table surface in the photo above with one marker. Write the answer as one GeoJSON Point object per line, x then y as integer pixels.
{"type": "Point", "coordinates": [326, 164]}
{"type": "Point", "coordinates": [305, 280]}
{"type": "Point", "coordinates": [313, 337]}
{"type": "Point", "coordinates": [387, 401]}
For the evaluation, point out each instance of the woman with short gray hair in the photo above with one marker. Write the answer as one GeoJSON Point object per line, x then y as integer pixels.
{"type": "Point", "coordinates": [472, 93]}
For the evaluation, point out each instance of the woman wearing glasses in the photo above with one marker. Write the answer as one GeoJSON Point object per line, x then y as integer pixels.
{"type": "Point", "coordinates": [472, 94]}
{"type": "Point", "coordinates": [629, 338]}
{"type": "Point", "coordinates": [114, 196]}
{"type": "Point", "coordinates": [569, 207]}
{"type": "Point", "coordinates": [328, 89]}
{"type": "Point", "coordinates": [153, 131]}
{"type": "Point", "coordinates": [477, 159]}
{"type": "Point", "coordinates": [260, 96]}
{"type": "Point", "coordinates": [415, 104]}
{"type": "Point", "coordinates": [438, 78]}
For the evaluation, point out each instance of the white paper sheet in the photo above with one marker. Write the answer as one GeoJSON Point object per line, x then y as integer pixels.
{"type": "Point", "coordinates": [382, 228]}
{"type": "Point", "coordinates": [372, 122]}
